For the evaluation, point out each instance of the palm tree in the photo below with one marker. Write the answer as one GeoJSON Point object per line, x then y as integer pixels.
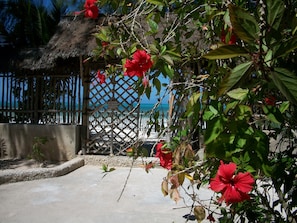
{"type": "Point", "coordinates": [30, 24]}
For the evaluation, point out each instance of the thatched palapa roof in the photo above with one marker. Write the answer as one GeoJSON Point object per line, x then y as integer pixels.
{"type": "Point", "coordinates": [74, 38]}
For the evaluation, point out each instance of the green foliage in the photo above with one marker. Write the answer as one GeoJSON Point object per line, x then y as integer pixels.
{"type": "Point", "coordinates": [286, 82]}
{"type": "Point", "coordinates": [245, 25]}
{"type": "Point", "coordinates": [244, 92]}
{"type": "Point", "coordinates": [106, 169]}
{"type": "Point", "coordinates": [225, 52]}
{"type": "Point", "coordinates": [37, 152]}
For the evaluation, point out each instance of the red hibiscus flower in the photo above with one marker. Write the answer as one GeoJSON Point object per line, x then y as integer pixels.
{"type": "Point", "coordinates": [140, 63]}
{"type": "Point", "coordinates": [104, 44]}
{"type": "Point", "coordinates": [165, 155]}
{"type": "Point", "coordinates": [232, 38]}
{"type": "Point", "coordinates": [101, 77]}
{"type": "Point", "coordinates": [270, 100]}
{"type": "Point", "coordinates": [91, 9]}
{"type": "Point", "coordinates": [234, 188]}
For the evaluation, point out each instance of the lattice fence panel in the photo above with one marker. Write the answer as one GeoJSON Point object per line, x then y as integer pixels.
{"type": "Point", "coordinates": [114, 116]}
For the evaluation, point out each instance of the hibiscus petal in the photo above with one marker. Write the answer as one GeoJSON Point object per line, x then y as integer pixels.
{"type": "Point", "coordinates": [140, 55]}
{"type": "Point", "coordinates": [216, 184]}
{"type": "Point", "coordinates": [232, 195]}
{"type": "Point", "coordinates": [227, 170]}
{"type": "Point", "coordinates": [244, 182]}
{"type": "Point", "coordinates": [133, 69]}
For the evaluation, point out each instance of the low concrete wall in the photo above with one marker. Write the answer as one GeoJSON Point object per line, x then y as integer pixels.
{"type": "Point", "coordinates": [63, 140]}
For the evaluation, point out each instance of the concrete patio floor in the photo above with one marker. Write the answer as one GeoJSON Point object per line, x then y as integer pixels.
{"type": "Point", "coordinates": [87, 196]}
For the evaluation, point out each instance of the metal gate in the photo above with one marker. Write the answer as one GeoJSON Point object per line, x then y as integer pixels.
{"type": "Point", "coordinates": [113, 115]}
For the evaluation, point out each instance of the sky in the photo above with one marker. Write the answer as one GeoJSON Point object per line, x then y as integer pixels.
{"type": "Point", "coordinates": [154, 98]}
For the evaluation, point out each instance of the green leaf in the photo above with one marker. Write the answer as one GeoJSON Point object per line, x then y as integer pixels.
{"type": "Point", "coordinates": [268, 170]}
{"type": "Point", "coordinates": [236, 160]}
{"type": "Point", "coordinates": [154, 49]}
{"type": "Point", "coordinates": [286, 82]}
{"type": "Point", "coordinates": [273, 114]}
{"type": "Point", "coordinates": [157, 84]}
{"type": "Point", "coordinates": [173, 54]}
{"type": "Point", "coordinates": [153, 26]}
{"type": "Point", "coordinates": [148, 92]}
{"type": "Point", "coordinates": [236, 76]}
{"type": "Point", "coordinates": [238, 94]}
{"type": "Point", "coordinates": [243, 112]}
{"type": "Point", "coordinates": [192, 101]}
{"type": "Point", "coordinates": [168, 59]}
{"type": "Point", "coordinates": [275, 11]}
{"type": "Point", "coordinates": [215, 128]}
{"type": "Point", "coordinates": [284, 106]}
{"type": "Point", "coordinates": [169, 71]}
{"type": "Point", "coordinates": [103, 34]}
{"type": "Point", "coordinates": [241, 142]}
{"type": "Point", "coordinates": [244, 24]}
{"type": "Point", "coordinates": [230, 105]}
{"type": "Point", "coordinates": [226, 52]}
{"type": "Point", "coordinates": [284, 48]}
{"type": "Point", "coordinates": [156, 2]}
{"type": "Point", "coordinates": [246, 157]}
{"type": "Point", "coordinates": [208, 115]}
{"type": "Point", "coordinates": [213, 110]}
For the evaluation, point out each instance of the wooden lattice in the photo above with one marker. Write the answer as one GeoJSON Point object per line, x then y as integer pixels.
{"type": "Point", "coordinates": [114, 116]}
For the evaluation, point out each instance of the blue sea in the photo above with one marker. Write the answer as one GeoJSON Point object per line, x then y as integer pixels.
{"type": "Point", "coordinates": [148, 107]}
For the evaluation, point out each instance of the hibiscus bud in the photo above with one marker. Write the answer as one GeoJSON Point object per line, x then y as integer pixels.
{"type": "Point", "coordinates": [232, 39]}
{"type": "Point", "coordinates": [130, 152]}
{"type": "Point", "coordinates": [211, 218]}
{"type": "Point", "coordinates": [145, 82]}
{"type": "Point", "coordinates": [223, 36]}
{"type": "Point", "coordinates": [199, 213]}
{"type": "Point", "coordinates": [149, 166]}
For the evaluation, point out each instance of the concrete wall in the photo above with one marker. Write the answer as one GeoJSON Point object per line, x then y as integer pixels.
{"type": "Point", "coordinates": [63, 140]}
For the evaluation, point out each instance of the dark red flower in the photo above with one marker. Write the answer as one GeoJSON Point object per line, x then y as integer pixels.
{"type": "Point", "coordinates": [270, 100]}
{"type": "Point", "coordinates": [140, 63]}
{"type": "Point", "coordinates": [165, 155]}
{"type": "Point", "coordinates": [231, 35]}
{"type": "Point", "coordinates": [104, 44]}
{"type": "Point", "coordinates": [91, 9]}
{"type": "Point", "coordinates": [211, 218]}
{"type": "Point", "coordinates": [234, 188]}
{"type": "Point", "coordinates": [101, 77]}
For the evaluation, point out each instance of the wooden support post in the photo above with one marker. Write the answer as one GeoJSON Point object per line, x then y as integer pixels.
{"type": "Point", "coordinates": [85, 74]}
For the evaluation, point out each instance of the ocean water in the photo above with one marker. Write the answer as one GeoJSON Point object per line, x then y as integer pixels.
{"type": "Point", "coordinates": [144, 108]}
{"type": "Point", "coordinates": [145, 112]}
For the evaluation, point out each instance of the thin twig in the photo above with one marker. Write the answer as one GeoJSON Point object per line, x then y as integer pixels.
{"type": "Point", "coordinates": [125, 185]}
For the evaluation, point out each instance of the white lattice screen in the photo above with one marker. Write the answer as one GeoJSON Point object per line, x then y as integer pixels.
{"type": "Point", "coordinates": [113, 115]}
